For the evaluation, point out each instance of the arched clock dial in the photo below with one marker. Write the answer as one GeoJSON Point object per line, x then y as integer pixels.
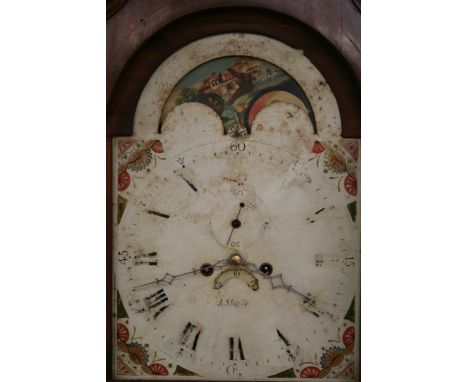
{"type": "Point", "coordinates": [236, 233]}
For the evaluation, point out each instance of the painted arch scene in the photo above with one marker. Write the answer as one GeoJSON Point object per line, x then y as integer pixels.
{"type": "Point", "coordinates": [237, 88]}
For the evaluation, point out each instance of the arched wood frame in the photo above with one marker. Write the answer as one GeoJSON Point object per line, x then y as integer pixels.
{"type": "Point", "coordinates": [336, 70]}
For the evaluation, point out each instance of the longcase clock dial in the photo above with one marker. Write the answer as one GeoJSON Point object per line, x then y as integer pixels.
{"type": "Point", "coordinates": [236, 232]}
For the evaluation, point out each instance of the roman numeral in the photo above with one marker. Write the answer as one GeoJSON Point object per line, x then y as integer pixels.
{"type": "Point", "coordinates": [235, 349]}
{"type": "Point", "coordinates": [147, 259]}
{"type": "Point", "coordinates": [291, 357]}
{"type": "Point", "coordinates": [165, 216]}
{"type": "Point", "coordinates": [157, 301]}
{"type": "Point", "coordinates": [190, 336]}
{"type": "Point", "coordinates": [190, 184]}
{"type": "Point", "coordinates": [282, 337]}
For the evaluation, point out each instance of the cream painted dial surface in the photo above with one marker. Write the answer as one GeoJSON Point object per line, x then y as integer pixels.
{"type": "Point", "coordinates": [236, 235]}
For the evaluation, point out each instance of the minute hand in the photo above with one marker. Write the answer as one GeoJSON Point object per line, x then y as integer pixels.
{"type": "Point", "coordinates": [168, 278]}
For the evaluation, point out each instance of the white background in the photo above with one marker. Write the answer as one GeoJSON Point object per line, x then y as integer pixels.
{"type": "Point", "coordinates": [414, 171]}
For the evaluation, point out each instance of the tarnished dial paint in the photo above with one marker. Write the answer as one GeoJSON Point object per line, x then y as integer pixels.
{"type": "Point", "coordinates": [236, 235]}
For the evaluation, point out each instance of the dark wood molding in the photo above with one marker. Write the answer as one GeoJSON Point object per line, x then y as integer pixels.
{"type": "Point", "coordinates": [109, 263]}
{"type": "Point", "coordinates": [333, 66]}
{"type": "Point", "coordinates": [113, 6]}
{"type": "Point", "coordinates": [337, 20]}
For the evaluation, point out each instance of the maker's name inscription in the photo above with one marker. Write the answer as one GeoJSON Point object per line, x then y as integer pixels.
{"type": "Point", "coordinates": [230, 302]}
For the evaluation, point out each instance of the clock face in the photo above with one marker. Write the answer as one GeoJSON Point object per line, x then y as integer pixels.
{"type": "Point", "coordinates": [236, 235]}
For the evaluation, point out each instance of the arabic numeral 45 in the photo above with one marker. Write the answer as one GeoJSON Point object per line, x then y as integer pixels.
{"type": "Point", "coordinates": [123, 257]}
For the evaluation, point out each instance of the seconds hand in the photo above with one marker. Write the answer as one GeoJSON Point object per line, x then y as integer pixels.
{"type": "Point", "coordinates": [235, 223]}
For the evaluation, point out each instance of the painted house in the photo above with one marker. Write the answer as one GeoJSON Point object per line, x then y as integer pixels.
{"type": "Point", "coordinates": [232, 82]}
{"type": "Point", "coordinates": [248, 67]}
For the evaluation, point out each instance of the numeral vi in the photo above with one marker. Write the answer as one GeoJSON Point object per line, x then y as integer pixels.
{"type": "Point", "coordinates": [235, 349]}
